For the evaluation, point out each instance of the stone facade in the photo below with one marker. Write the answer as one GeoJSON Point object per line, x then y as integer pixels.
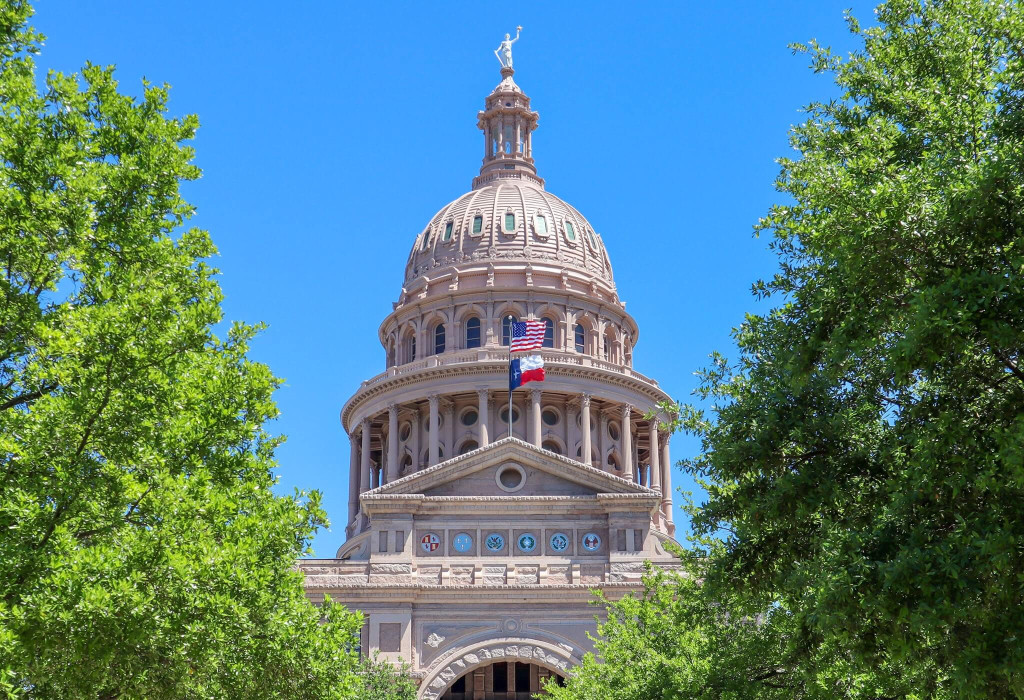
{"type": "Point", "coordinates": [473, 548]}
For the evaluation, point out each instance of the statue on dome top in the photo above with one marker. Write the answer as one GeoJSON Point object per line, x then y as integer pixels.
{"type": "Point", "coordinates": [504, 51]}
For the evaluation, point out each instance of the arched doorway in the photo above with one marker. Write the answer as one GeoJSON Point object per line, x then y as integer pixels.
{"type": "Point", "coordinates": [501, 680]}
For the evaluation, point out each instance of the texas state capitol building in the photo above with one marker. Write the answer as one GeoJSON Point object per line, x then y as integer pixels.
{"type": "Point", "coordinates": [473, 554]}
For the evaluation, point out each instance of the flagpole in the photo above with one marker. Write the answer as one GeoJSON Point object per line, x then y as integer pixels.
{"type": "Point", "coordinates": [510, 375]}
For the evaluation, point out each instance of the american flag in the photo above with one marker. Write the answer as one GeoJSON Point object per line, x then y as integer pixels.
{"type": "Point", "coordinates": [527, 335]}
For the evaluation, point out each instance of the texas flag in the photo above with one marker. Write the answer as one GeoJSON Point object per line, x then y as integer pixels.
{"type": "Point", "coordinates": [525, 369]}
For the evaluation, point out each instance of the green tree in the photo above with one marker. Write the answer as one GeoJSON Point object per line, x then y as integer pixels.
{"type": "Point", "coordinates": [382, 680]}
{"type": "Point", "coordinates": [865, 456]}
{"type": "Point", "coordinates": [142, 552]}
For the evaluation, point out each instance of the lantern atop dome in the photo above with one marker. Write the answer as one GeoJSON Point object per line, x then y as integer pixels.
{"type": "Point", "coordinates": [508, 124]}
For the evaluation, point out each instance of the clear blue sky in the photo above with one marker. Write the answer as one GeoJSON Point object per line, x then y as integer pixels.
{"type": "Point", "coordinates": [331, 133]}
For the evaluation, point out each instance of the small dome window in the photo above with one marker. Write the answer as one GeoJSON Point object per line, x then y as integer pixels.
{"type": "Point", "coordinates": [549, 416]}
{"type": "Point", "coordinates": [448, 231]}
{"type": "Point", "coordinates": [592, 238]}
{"type": "Point", "coordinates": [570, 231]}
{"type": "Point", "coordinates": [473, 333]}
{"type": "Point", "coordinates": [478, 223]}
{"type": "Point", "coordinates": [541, 223]}
{"type": "Point", "coordinates": [510, 221]}
{"type": "Point", "coordinates": [469, 418]}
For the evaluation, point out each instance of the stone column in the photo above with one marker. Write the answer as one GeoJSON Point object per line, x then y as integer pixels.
{"type": "Point", "coordinates": [432, 438]}
{"type": "Point", "coordinates": [364, 465]}
{"type": "Point", "coordinates": [585, 427]}
{"type": "Point", "coordinates": [392, 466]}
{"type": "Point", "coordinates": [602, 448]}
{"type": "Point", "coordinates": [654, 450]}
{"type": "Point", "coordinates": [666, 486]}
{"type": "Point", "coordinates": [415, 435]}
{"type": "Point", "coordinates": [483, 413]}
{"type": "Point", "coordinates": [538, 432]}
{"type": "Point", "coordinates": [449, 429]}
{"type": "Point", "coordinates": [353, 477]}
{"type": "Point", "coordinates": [627, 441]}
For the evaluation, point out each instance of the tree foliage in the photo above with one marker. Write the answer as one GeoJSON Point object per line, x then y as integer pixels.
{"type": "Point", "coordinates": [142, 552]}
{"type": "Point", "coordinates": [864, 455]}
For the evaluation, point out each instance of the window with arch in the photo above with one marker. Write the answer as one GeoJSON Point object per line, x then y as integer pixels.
{"type": "Point", "coordinates": [570, 232]}
{"type": "Point", "coordinates": [510, 222]}
{"type": "Point", "coordinates": [468, 446]}
{"type": "Point", "coordinates": [448, 231]}
{"type": "Point", "coordinates": [592, 238]}
{"type": "Point", "coordinates": [439, 339]}
{"type": "Point", "coordinates": [478, 223]}
{"type": "Point", "coordinates": [549, 333]}
{"type": "Point", "coordinates": [506, 330]}
{"type": "Point", "coordinates": [606, 349]}
{"type": "Point", "coordinates": [581, 338]}
{"type": "Point", "coordinates": [410, 347]}
{"type": "Point", "coordinates": [406, 462]}
{"type": "Point", "coordinates": [426, 239]}
{"type": "Point", "coordinates": [473, 332]}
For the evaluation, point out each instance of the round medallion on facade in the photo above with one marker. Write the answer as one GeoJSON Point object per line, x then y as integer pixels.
{"type": "Point", "coordinates": [462, 542]}
{"type": "Point", "coordinates": [527, 542]}
{"type": "Point", "coordinates": [430, 542]}
{"type": "Point", "coordinates": [495, 542]}
{"type": "Point", "coordinates": [559, 542]}
{"type": "Point", "coordinates": [510, 477]}
{"type": "Point", "coordinates": [591, 542]}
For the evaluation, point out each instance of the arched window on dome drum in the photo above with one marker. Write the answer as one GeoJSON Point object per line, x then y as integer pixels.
{"type": "Point", "coordinates": [506, 330]}
{"type": "Point", "coordinates": [606, 349]}
{"type": "Point", "coordinates": [473, 333]}
{"type": "Point", "coordinates": [549, 333]}
{"type": "Point", "coordinates": [439, 339]}
{"type": "Point", "coordinates": [581, 338]}
{"type": "Point", "coordinates": [410, 352]}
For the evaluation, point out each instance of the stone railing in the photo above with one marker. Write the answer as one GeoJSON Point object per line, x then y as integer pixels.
{"type": "Point", "coordinates": [333, 574]}
{"type": "Point", "coordinates": [478, 355]}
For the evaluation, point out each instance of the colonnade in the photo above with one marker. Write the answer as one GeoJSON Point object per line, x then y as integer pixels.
{"type": "Point", "coordinates": [366, 473]}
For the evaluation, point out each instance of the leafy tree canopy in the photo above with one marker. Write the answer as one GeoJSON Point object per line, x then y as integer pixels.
{"type": "Point", "coordinates": [142, 552]}
{"type": "Point", "coordinates": [864, 455]}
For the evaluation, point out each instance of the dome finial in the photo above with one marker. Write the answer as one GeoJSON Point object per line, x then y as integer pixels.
{"type": "Point", "coordinates": [508, 124]}
{"type": "Point", "coordinates": [505, 49]}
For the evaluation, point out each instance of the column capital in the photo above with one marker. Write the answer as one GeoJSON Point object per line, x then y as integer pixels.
{"type": "Point", "coordinates": [393, 407]}
{"type": "Point", "coordinates": [627, 410]}
{"type": "Point", "coordinates": [535, 394]}
{"type": "Point", "coordinates": [434, 399]}
{"type": "Point", "coordinates": [585, 400]}
{"type": "Point", "coordinates": [365, 423]}
{"type": "Point", "coordinates": [483, 395]}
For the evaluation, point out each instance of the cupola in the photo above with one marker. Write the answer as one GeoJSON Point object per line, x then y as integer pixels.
{"type": "Point", "coordinates": [508, 125]}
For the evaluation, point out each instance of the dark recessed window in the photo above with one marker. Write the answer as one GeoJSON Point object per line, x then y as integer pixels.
{"type": "Point", "coordinates": [468, 446]}
{"type": "Point", "coordinates": [439, 339]}
{"type": "Point", "coordinates": [448, 231]}
{"type": "Point", "coordinates": [551, 446]}
{"type": "Point", "coordinates": [469, 417]}
{"type": "Point", "coordinates": [473, 333]}
{"type": "Point", "coordinates": [478, 224]}
{"type": "Point", "coordinates": [549, 416]}
{"type": "Point", "coordinates": [506, 330]}
{"type": "Point", "coordinates": [581, 338]}
{"type": "Point", "coordinates": [549, 333]}
{"type": "Point", "coordinates": [503, 414]}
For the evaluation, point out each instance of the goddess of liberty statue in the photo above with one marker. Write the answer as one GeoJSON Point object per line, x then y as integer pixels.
{"type": "Point", "coordinates": [504, 51]}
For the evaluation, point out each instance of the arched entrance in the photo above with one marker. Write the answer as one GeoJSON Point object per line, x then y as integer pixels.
{"type": "Point", "coordinates": [501, 680]}
{"type": "Point", "coordinates": [472, 671]}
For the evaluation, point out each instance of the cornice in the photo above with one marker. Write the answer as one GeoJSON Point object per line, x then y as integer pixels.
{"type": "Point", "coordinates": [383, 384]}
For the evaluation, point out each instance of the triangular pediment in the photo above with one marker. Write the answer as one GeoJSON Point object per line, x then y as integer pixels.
{"type": "Point", "coordinates": [492, 471]}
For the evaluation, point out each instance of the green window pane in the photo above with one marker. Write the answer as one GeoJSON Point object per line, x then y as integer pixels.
{"type": "Point", "coordinates": [542, 226]}
{"type": "Point", "coordinates": [448, 231]}
{"type": "Point", "coordinates": [570, 232]}
{"type": "Point", "coordinates": [478, 224]}
{"type": "Point", "coordinates": [592, 237]}
{"type": "Point", "coordinates": [510, 222]}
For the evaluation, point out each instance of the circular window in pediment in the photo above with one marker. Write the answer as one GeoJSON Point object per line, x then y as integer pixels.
{"type": "Point", "coordinates": [510, 477]}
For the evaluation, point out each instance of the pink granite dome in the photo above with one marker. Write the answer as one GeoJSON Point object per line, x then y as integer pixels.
{"type": "Point", "coordinates": [506, 220]}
